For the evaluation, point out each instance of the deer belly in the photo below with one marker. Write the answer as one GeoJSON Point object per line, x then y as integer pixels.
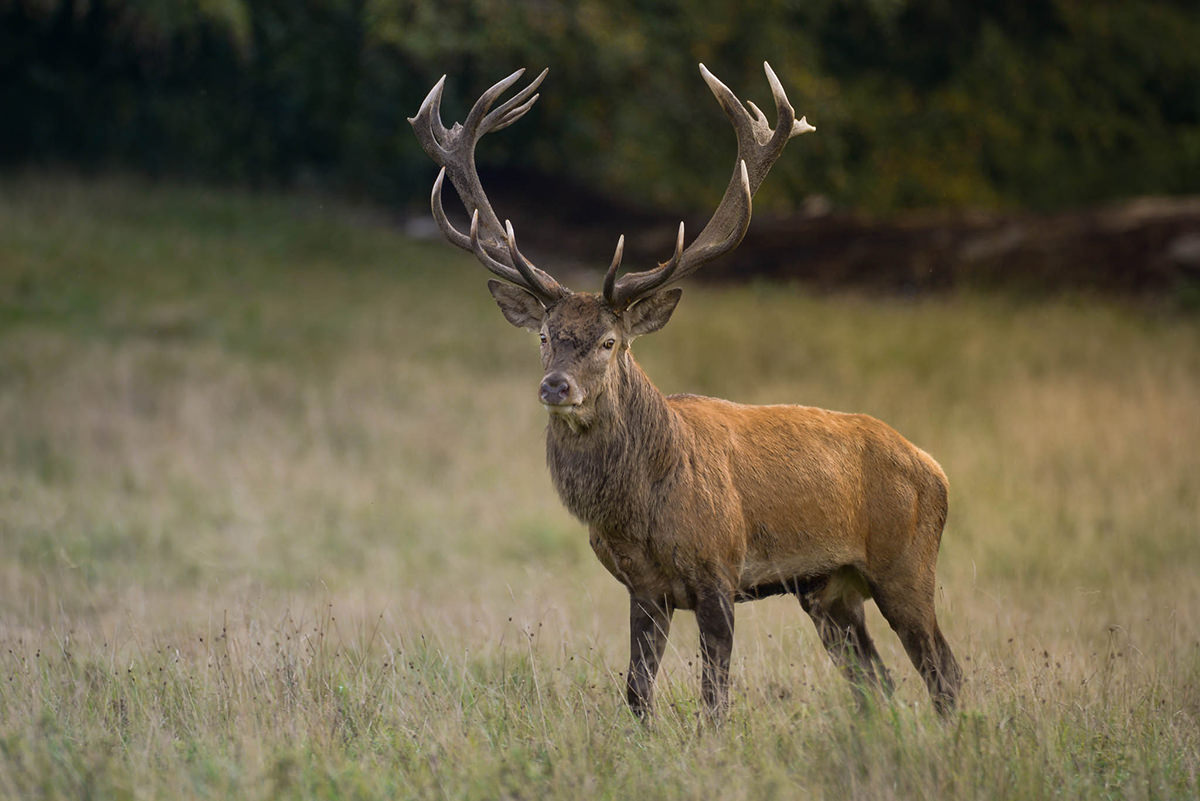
{"type": "Point", "coordinates": [776, 561]}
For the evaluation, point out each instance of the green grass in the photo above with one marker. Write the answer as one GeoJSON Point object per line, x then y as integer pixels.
{"type": "Point", "coordinates": [274, 523]}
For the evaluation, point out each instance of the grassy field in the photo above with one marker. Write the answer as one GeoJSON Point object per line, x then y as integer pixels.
{"type": "Point", "coordinates": [274, 523]}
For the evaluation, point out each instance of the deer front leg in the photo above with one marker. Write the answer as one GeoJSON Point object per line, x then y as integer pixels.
{"type": "Point", "coordinates": [714, 615]}
{"type": "Point", "coordinates": [649, 625]}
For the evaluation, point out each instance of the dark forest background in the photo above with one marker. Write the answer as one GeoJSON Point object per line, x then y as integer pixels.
{"type": "Point", "coordinates": [996, 106]}
{"type": "Point", "coordinates": [918, 103]}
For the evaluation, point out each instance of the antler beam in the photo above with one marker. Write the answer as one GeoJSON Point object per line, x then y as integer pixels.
{"type": "Point", "coordinates": [453, 149]}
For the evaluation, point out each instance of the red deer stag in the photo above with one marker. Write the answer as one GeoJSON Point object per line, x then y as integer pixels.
{"type": "Point", "coordinates": [696, 503]}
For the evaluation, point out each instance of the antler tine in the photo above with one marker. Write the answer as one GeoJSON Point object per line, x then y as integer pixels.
{"type": "Point", "coordinates": [758, 114]}
{"type": "Point", "coordinates": [786, 124]}
{"type": "Point", "coordinates": [515, 107]}
{"type": "Point", "coordinates": [539, 282]}
{"type": "Point", "coordinates": [427, 122]}
{"type": "Point", "coordinates": [455, 236]}
{"type": "Point", "coordinates": [541, 285]}
{"type": "Point", "coordinates": [479, 112]}
{"type": "Point", "coordinates": [759, 146]}
{"type": "Point", "coordinates": [610, 277]}
{"type": "Point", "coordinates": [498, 268]}
{"type": "Point", "coordinates": [636, 285]}
{"type": "Point", "coordinates": [729, 101]}
{"type": "Point", "coordinates": [785, 115]}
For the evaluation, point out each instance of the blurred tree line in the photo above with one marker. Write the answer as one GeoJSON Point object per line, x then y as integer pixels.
{"type": "Point", "coordinates": [918, 103]}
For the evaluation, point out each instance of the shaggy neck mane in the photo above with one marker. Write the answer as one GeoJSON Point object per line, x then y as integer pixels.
{"type": "Point", "coordinates": [604, 472]}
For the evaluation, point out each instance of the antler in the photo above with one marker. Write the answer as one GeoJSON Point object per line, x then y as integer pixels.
{"type": "Point", "coordinates": [759, 146]}
{"type": "Point", "coordinates": [453, 149]}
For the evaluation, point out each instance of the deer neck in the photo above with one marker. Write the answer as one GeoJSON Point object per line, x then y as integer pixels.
{"type": "Point", "coordinates": [605, 472]}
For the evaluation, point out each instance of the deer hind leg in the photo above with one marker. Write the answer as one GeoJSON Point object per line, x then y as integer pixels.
{"type": "Point", "coordinates": [836, 609]}
{"type": "Point", "coordinates": [910, 612]}
{"type": "Point", "coordinates": [714, 615]}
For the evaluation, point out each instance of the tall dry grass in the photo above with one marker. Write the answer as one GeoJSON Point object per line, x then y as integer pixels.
{"type": "Point", "coordinates": [275, 523]}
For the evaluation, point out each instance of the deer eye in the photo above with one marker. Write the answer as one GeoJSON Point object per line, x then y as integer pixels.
{"type": "Point", "coordinates": [610, 343]}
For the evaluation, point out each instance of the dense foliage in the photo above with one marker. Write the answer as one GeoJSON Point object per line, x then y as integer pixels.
{"type": "Point", "coordinates": [997, 103]}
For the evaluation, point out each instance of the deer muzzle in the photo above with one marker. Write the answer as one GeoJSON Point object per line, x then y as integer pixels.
{"type": "Point", "coordinates": [557, 390]}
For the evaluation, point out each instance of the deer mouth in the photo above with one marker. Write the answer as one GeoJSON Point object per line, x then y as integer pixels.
{"type": "Point", "coordinates": [571, 410]}
{"type": "Point", "coordinates": [565, 407]}
{"type": "Point", "coordinates": [575, 415]}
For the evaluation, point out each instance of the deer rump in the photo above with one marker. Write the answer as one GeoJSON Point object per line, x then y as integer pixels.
{"type": "Point", "coordinates": [696, 503]}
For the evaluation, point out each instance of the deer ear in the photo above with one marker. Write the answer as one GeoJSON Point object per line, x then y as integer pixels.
{"type": "Point", "coordinates": [520, 308]}
{"type": "Point", "coordinates": [650, 314]}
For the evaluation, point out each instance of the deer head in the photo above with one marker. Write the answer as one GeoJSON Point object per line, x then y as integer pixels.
{"type": "Point", "coordinates": [585, 337]}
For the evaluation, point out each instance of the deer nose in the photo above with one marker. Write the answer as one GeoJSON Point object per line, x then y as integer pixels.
{"type": "Point", "coordinates": [555, 389]}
